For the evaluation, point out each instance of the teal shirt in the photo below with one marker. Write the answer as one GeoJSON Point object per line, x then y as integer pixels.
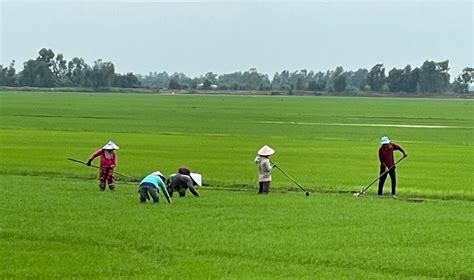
{"type": "Point", "coordinates": [157, 182]}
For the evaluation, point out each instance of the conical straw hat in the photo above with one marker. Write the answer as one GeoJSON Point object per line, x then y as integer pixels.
{"type": "Point", "coordinates": [197, 178]}
{"type": "Point", "coordinates": [158, 173]}
{"type": "Point", "coordinates": [265, 151]}
{"type": "Point", "coordinates": [110, 146]}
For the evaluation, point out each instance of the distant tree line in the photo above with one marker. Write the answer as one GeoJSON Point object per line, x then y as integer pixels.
{"type": "Point", "coordinates": [50, 70]}
{"type": "Point", "coordinates": [431, 77]}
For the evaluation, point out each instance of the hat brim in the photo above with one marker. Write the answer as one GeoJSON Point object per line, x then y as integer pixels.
{"type": "Point", "coordinates": [110, 146]}
{"type": "Point", "coordinates": [197, 178]}
{"type": "Point", "coordinates": [159, 174]}
{"type": "Point", "coordinates": [265, 151]}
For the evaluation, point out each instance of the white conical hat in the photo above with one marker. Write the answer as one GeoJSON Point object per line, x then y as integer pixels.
{"type": "Point", "coordinates": [110, 146]}
{"type": "Point", "coordinates": [158, 173]}
{"type": "Point", "coordinates": [197, 178]}
{"type": "Point", "coordinates": [265, 151]}
{"type": "Point", "coordinates": [384, 140]}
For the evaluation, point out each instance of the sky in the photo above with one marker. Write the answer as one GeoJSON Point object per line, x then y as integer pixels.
{"type": "Point", "coordinates": [196, 37]}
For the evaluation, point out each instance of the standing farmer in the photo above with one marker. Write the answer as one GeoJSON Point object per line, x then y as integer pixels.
{"type": "Point", "coordinates": [264, 169]}
{"type": "Point", "coordinates": [149, 187]}
{"type": "Point", "coordinates": [387, 164]}
{"type": "Point", "coordinates": [108, 162]}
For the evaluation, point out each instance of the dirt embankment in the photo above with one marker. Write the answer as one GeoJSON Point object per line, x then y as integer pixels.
{"type": "Point", "coordinates": [245, 92]}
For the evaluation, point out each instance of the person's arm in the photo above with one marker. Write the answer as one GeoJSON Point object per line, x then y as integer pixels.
{"type": "Point", "coordinates": [93, 156]}
{"type": "Point", "coordinates": [257, 158]}
{"type": "Point", "coordinates": [193, 191]}
{"type": "Point", "coordinates": [114, 161]}
{"type": "Point", "coordinates": [168, 185]}
{"type": "Point", "coordinates": [399, 148]}
{"type": "Point", "coordinates": [190, 185]}
{"type": "Point", "coordinates": [165, 191]}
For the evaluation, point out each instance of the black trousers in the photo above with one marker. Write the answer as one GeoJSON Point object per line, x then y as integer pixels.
{"type": "Point", "coordinates": [147, 190]}
{"type": "Point", "coordinates": [392, 178]}
{"type": "Point", "coordinates": [264, 187]}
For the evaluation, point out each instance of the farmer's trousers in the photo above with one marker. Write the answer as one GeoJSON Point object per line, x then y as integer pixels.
{"type": "Point", "coordinates": [264, 187]}
{"type": "Point", "coordinates": [106, 177]}
{"type": "Point", "coordinates": [147, 189]}
{"type": "Point", "coordinates": [392, 178]}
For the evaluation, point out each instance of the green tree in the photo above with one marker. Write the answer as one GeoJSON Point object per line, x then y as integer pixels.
{"type": "Point", "coordinates": [194, 83]}
{"type": "Point", "coordinates": [299, 84]}
{"type": "Point", "coordinates": [276, 81]}
{"type": "Point", "coordinates": [394, 80]}
{"type": "Point", "coordinates": [317, 85]}
{"type": "Point", "coordinates": [102, 74]}
{"type": "Point", "coordinates": [163, 79]}
{"type": "Point", "coordinates": [78, 72]}
{"type": "Point", "coordinates": [8, 75]}
{"type": "Point", "coordinates": [414, 80]}
{"type": "Point", "coordinates": [442, 68]}
{"type": "Point", "coordinates": [434, 77]}
{"type": "Point", "coordinates": [376, 77]}
{"type": "Point", "coordinates": [211, 77]}
{"type": "Point", "coordinates": [174, 83]}
{"type": "Point", "coordinates": [38, 72]}
{"type": "Point", "coordinates": [59, 69]}
{"type": "Point", "coordinates": [44, 63]}
{"type": "Point", "coordinates": [339, 79]}
{"type": "Point", "coordinates": [251, 79]}
{"type": "Point", "coordinates": [464, 80]}
{"type": "Point", "coordinates": [128, 80]}
{"type": "Point", "coordinates": [356, 79]}
{"type": "Point", "coordinates": [206, 84]}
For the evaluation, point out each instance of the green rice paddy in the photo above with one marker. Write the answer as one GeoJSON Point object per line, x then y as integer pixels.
{"type": "Point", "coordinates": [56, 224]}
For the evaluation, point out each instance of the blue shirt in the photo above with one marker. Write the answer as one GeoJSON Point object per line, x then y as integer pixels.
{"type": "Point", "coordinates": [156, 181]}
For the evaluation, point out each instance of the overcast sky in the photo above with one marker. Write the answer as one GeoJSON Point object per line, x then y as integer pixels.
{"type": "Point", "coordinates": [227, 36]}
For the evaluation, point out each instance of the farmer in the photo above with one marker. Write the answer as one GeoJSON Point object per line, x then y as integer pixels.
{"type": "Point", "coordinates": [387, 164]}
{"type": "Point", "coordinates": [149, 187]}
{"type": "Point", "coordinates": [183, 180]}
{"type": "Point", "coordinates": [108, 162]}
{"type": "Point", "coordinates": [264, 169]}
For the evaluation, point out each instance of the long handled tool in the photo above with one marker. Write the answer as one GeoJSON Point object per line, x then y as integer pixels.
{"type": "Point", "coordinates": [123, 175]}
{"type": "Point", "coordinates": [357, 194]}
{"type": "Point", "coordinates": [84, 163]}
{"type": "Point", "coordinates": [289, 177]}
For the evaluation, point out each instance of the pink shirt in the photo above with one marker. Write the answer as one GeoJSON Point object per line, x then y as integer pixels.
{"type": "Point", "coordinates": [107, 159]}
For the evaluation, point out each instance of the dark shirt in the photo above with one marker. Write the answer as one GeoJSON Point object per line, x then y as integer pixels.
{"type": "Point", "coordinates": [386, 154]}
{"type": "Point", "coordinates": [180, 183]}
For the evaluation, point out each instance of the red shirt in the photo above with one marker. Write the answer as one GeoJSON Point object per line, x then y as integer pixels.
{"type": "Point", "coordinates": [386, 154]}
{"type": "Point", "coordinates": [107, 160]}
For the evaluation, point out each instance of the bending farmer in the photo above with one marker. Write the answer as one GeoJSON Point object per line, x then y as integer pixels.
{"type": "Point", "coordinates": [108, 162]}
{"type": "Point", "coordinates": [183, 180]}
{"type": "Point", "coordinates": [387, 164]}
{"type": "Point", "coordinates": [149, 187]}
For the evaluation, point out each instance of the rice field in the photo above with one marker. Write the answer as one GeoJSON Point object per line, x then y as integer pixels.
{"type": "Point", "coordinates": [56, 224]}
